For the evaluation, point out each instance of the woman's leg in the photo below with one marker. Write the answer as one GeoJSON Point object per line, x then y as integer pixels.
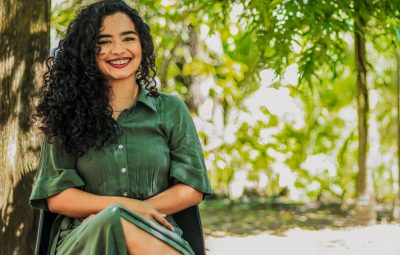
{"type": "Point", "coordinates": [111, 232]}
{"type": "Point", "coordinates": [140, 242]}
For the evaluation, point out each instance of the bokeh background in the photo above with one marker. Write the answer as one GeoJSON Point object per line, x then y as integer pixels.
{"type": "Point", "coordinates": [296, 103]}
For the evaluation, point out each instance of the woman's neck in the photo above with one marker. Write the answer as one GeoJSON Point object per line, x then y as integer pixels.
{"type": "Point", "coordinates": [123, 93]}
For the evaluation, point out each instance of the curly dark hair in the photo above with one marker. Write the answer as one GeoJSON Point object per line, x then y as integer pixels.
{"type": "Point", "coordinates": [74, 100]}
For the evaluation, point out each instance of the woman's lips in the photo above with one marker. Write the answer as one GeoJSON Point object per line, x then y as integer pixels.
{"type": "Point", "coordinates": [121, 63]}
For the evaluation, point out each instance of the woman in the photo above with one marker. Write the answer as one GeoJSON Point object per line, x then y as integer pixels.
{"type": "Point", "coordinates": [118, 157]}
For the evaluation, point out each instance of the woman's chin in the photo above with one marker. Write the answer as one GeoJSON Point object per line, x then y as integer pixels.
{"type": "Point", "coordinates": [113, 77]}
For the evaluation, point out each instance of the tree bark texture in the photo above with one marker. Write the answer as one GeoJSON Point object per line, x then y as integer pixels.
{"type": "Point", "coordinates": [193, 98]}
{"type": "Point", "coordinates": [365, 207]}
{"type": "Point", "coordinates": [398, 112]}
{"type": "Point", "coordinates": [362, 103]}
{"type": "Point", "coordinates": [24, 46]}
{"type": "Point", "coordinates": [396, 201]}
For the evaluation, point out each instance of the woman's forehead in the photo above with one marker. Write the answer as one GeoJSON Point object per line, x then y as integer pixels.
{"type": "Point", "coordinates": [117, 23]}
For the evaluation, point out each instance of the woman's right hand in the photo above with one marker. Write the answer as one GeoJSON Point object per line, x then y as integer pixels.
{"type": "Point", "coordinates": [149, 212]}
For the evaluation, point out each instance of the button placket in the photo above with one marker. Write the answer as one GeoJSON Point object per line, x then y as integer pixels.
{"type": "Point", "coordinates": [122, 165]}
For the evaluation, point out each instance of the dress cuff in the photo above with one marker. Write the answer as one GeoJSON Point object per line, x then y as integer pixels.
{"type": "Point", "coordinates": [195, 178]}
{"type": "Point", "coordinates": [47, 187]}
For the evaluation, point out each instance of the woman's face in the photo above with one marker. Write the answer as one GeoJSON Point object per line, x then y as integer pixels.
{"type": "Point", "coordinates": [120, 50]}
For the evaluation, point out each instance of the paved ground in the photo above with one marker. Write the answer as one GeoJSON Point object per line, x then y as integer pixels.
{"type": "Point", "coordinates": [372, 240]}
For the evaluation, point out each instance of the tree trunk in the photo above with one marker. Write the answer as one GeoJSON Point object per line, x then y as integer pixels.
{"type": "Point", "coordinates": [396, 204]}
{"type": "Point", "coordinates": [398, 112]}
{"type": "Point", "coordinates": [24, 46]}
{"type": "Point", "coordinates": [195, 97]}
{"type": "Point", "coordinates": [365, 205]}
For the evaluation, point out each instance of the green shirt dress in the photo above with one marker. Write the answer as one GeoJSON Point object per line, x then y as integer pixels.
{"type": "Point", "coordinates": [159, 144]}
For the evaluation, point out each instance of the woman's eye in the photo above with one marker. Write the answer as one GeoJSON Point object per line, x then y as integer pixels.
{"type": "Point", "coordinates": [130, 39]}
{"type": "Point", "coordinates": [103, 42]}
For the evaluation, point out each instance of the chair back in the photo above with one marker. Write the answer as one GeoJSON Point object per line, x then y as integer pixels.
{"type": "Point", "coordinates": [190, 223]}
{"type": "Point", "coordinates": [44, 229]}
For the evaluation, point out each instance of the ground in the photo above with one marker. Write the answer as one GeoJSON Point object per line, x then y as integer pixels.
{"type": "Point", "coordinates": [371, 240]}
{"type": "Point", "coordinates": [282, 229]}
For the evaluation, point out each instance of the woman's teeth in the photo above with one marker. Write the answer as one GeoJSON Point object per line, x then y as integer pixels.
{"type": "Point", "coordinates": [119, 62]}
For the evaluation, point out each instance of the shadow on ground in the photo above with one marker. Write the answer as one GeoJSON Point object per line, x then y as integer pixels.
{"type": "Point", "coordinates": [227, 218]}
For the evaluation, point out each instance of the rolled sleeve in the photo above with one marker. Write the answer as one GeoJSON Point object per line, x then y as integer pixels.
{"type": "Point", "coordinates": [186, 154]}
{"type": "Point", "coordinates": [56, 172]}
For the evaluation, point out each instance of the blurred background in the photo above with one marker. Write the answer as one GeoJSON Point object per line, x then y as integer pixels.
{"type": "Point", "coordinates": [296, 103]}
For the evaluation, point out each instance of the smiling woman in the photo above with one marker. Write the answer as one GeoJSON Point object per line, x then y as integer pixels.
{"type": "Point", "coordinates": [119, 55]}
{"type": "Point", "coordinates": [120, 52]}
{"type": "Point", "coordinates": [119, 159]}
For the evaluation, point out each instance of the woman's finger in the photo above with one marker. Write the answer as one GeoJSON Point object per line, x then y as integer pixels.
{"type": "Point", "coordinates": [161, 219]}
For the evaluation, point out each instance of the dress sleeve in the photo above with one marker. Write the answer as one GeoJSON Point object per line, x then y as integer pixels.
{"type": "Point", "coordinates": [56, 172]}
{"type": "Point", "coordinates": [187, 160]}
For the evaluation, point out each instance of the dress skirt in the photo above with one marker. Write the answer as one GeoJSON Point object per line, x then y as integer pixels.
{"type": "Point", "coordinates": [103, 234]}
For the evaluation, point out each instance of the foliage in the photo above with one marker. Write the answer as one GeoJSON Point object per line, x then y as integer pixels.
{"type": "Point", "coordinates": [216, 52]}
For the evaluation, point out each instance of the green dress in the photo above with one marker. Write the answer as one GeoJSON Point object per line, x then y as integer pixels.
{"type": "Point", "coordinates": [159, 144]}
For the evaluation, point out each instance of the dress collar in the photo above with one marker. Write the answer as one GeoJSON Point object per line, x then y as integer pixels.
{"type": "Point", "coordinates": [149, 101]}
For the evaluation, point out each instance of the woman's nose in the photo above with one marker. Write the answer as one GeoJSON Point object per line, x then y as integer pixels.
{"type": "Point", "coordinates": [117, 48]}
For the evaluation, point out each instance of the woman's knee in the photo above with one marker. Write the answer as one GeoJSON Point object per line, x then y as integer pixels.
{"type": "Point", "coordinates": [113, 208]}
{"type": "Point", "coordinates": [141, 242]}
{"type": "Point", "coordinates": [107, 216]}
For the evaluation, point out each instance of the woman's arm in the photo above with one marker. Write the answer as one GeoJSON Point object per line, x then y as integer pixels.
{"type": "Point", "coordinates": [180, 196]}
{"type": "Point", "coordinates": [76, 203]}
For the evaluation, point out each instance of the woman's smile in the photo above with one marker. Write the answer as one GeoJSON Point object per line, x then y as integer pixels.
{"type": "Point", "coordinates": [119, 63]}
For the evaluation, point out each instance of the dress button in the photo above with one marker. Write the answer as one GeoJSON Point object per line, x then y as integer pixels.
{"type": "Point", "coordinates": [125, 194]}
{"type": "Point", "coordinates": [120, 146]}
{"type": "Point", "coordinates": [123, 170]}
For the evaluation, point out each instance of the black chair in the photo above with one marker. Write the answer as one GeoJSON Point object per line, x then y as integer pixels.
{"type": "Point", "coordinates": [190, 222]}
{"type": "Point", "coordinates": [188, 219]}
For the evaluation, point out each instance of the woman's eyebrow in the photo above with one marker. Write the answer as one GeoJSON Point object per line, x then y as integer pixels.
{"type": "Point", "coordinates": [123, 33]}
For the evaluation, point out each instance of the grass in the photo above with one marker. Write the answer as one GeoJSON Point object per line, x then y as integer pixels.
{"type": "Point", "coordinates": [228, 218]}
